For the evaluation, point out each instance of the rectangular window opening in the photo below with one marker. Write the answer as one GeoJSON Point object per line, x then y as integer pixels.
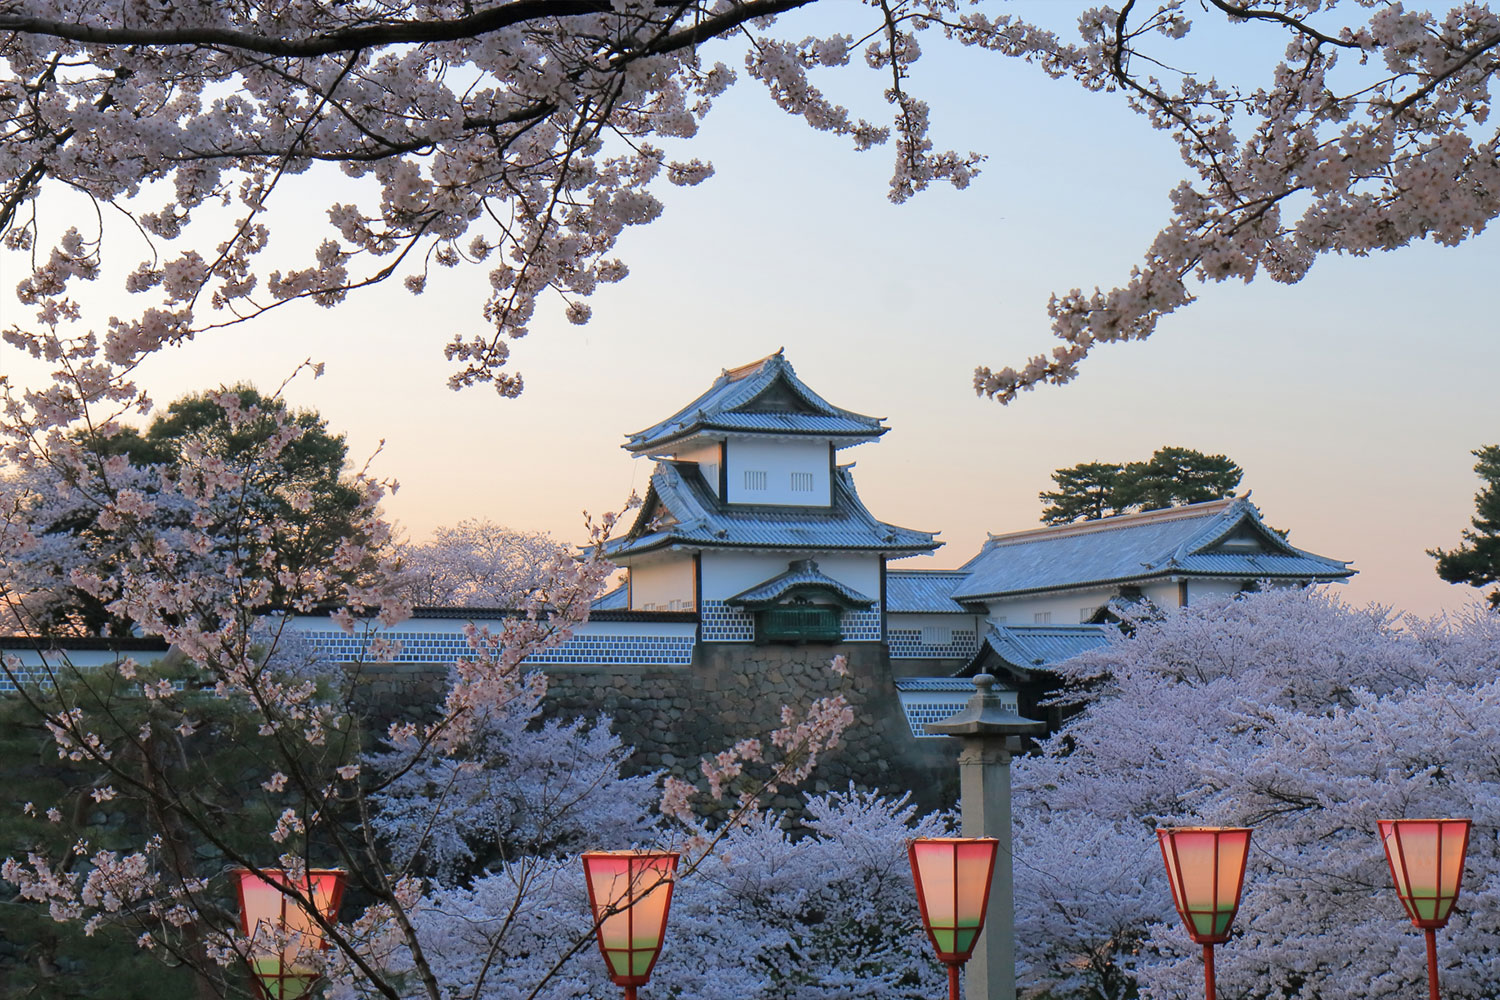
{"type": "Point", "coordinates": [1042, 618]}
{"type": "Point", "coordinates": [936, 635]}
{"type": "Point", "coordinates": [802, 482]}
{"type": "Point", "coordinates": [755, 480]}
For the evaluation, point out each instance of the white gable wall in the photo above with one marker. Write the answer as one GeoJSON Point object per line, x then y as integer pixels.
{"type": "Point", "coordinates": [773, 464]}
{"type": "Point", "coordinates": [728, 573]}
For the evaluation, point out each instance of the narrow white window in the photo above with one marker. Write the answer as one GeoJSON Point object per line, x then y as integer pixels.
{"type": "Point", "coordinates": [802, 482]}
{"type": "Point", "coordinates": [936, 635]}
{"type": "Point", "coordinates": [755, 480]}
{"type": "Point", "coordinates": [1042, 618]}
{"type": "Point", "coordinates": [1084, 614]}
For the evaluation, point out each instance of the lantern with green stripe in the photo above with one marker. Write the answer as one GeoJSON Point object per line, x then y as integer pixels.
{"type": "Point", "coordinates": [953, 876]}
{"type": "Point", "coordinates": [630, 893]}
{"type": "Point", "coordinates": [277, 914]}
{"type": "Point", "coordinates": [1427, 865]}
{"type": "Point", "coordinates": [1206, 867]}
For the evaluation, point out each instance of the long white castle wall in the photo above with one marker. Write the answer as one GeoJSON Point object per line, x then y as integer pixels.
{"type": "Point", "coordinates": [441, 640]}
{"type": "Point", "coordinates": [33, 666]}
{"type": "Point", "coordinates": [779, 461]}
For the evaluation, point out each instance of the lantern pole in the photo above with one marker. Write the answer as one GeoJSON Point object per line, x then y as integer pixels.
{"type": "Point", "coordinates": [1432, 977]}
{"type": "Point", "coordinates": [1209, 991]}
{"type": "Point", "coordinates": [991, 733]}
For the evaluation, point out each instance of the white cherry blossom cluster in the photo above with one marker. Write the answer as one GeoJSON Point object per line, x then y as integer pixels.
{"type": "Point", "coordinates": [1290, 713]}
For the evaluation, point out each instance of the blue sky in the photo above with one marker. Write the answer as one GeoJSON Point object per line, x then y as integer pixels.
{"type": "Point", "coordinates": [1352, 400]}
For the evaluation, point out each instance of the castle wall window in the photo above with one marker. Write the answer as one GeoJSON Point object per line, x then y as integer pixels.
{"type": "Point", "coordinates": [802, 482]}
{"type": "Point", "coordinates": [936, 635]}
{"type": "Point", "coordinates": [755, 479]}
{"type": "Point", "coordinates": [1042, 618]}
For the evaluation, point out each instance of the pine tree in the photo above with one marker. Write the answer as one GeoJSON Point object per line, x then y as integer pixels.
{"type": "Point", "coordinates": [1171, 477]}
{"type": "Point", "coordinates": [1477, 561]}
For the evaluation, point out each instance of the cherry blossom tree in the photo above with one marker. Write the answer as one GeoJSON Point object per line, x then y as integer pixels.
{"type": "Point", "coordinates": [478, 564]}
{"type": "Point", "coordinates": [1304, 719]}
{"type": "Point", "coordinates": [524, 137]}
{"type": "Point", "coordinates": [403, 810]}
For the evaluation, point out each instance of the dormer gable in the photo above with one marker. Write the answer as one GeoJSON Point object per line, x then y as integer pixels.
{"type": "Point", "coordinates": [778, 397]}
{"type": "Point", "coordinates": [1238, 531]}
{"type": "Point", "coordinates": [1244, 540]}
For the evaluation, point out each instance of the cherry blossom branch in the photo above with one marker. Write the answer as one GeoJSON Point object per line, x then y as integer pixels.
{"type": "Point", "coordinates": [1295, 23]}
{"type": "Point", "coordinates": [414, 32]}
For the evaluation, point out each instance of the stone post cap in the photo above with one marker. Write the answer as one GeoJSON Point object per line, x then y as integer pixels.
{"type": "Point", "coordinates": [986, 715]}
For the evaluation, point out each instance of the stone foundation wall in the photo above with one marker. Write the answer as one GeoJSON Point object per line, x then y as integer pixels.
{"type": "Point", "coordinates": [674, 715]}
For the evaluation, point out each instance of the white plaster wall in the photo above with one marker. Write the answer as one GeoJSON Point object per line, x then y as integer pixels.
{"type": "Point", "coordinates": [1067, 609]}
{"type": "Point", "coordinates": [654, 586]}
{"type": "Point", "coordinates": [455, 626]}
{"type": "Point", "coordinates": [728, 573]}
{"type": "Point", "coordinates": [708, 457]}
{"type": "Point", "coordinates": [778, 460]}
{"type": "Point", "coordinates": [953, 621]}
{"type": "Point", "coordinates": [1164, 593]}
{"type": "Point", "coordinates": [1064, 609]}
{"type": "Point", "coordinates": [1209, 590]}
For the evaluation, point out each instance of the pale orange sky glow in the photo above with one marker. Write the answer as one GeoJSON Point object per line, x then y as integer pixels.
{"type": "Point", "coordinates": [1351, 400]}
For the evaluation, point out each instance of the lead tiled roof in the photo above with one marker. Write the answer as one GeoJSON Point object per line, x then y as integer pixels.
{"type": "Point", "coordinates": [923, 591]}
{"type": "Point", "coordinates": [1029, 646]}
{"type": "Point", "coordinates": [613, 600]}
{"type": "Point", "coordinates": [803, 574]}
{"type": "Point", "coordinates": [681, 509]}
{"type": "Point", "coordinates": [764, 397]}
{"type": "Point", "coordinates": [955, 685]}
{"type": "Point", "coordinates": [1179, 541]}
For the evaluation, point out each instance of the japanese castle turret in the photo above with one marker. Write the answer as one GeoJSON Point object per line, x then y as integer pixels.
{"type": "Point", "coordinates": [751, 521]}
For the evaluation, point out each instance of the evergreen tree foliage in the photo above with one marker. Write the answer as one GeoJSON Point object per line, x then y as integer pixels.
{"type": "Point", "coordinates": [1084, 492]}
{"type": "Point", "coordinates": [298, 505]}
{"type": "Point", "coordinates": [1169, 478]}
{"type": "Point", "coordinates": [1477, 561]}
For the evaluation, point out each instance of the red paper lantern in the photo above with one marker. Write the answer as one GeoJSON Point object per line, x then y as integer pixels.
{"type": "Point", "coordinates": [952, 875]}
{"type": "Point", "coordinates": [284, 973]}
{"type": "Point", "coordinates": [630, 893]}
{"type": "Point", "coordinates": [1427, 864]}
{"type": "Point", "coordinates": [1206, 868]}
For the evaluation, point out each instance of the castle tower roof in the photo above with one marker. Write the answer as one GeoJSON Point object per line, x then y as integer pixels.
{"type": "Point", "coordinates": [763, 397]}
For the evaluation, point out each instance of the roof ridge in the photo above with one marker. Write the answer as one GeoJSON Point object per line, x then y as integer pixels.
{"type": "Point", "coordinates": [1185, 512]}
{"type": "Point", "coordinates": [929, 572]}
{"type": "Point", "coordinates": [754, 367]}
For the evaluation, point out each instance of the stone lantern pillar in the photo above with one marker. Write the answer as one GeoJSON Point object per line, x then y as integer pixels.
{"type": "Point", "coordinates": [991, 733]}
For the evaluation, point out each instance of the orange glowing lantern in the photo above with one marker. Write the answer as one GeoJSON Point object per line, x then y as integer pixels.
{"type": "Point", "coordinates": [1206, 867]}
{"type": "Point", "coordinates": [953, 876]}
{"type": "Point", "coordinates": [1427, 865]}
{"type": "Point", "coordinates": [269, 910]}
{"type": "Point", "coordinates": [630, 893]}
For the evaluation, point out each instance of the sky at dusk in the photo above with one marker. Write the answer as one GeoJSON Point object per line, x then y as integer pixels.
{"type": "Point", "coordinates": [1352, 400]}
